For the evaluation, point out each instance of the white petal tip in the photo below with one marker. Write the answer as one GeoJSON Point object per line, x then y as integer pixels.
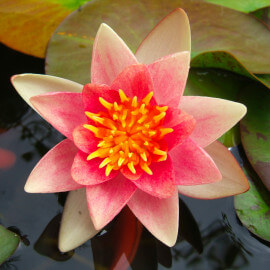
{"type": "Point", "coordinates": [29, 188]}
{"type": "Point", "coordinates": [104, 28]}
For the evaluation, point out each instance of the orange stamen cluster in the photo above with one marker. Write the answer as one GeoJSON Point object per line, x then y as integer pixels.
{"type": "Point", "coordinates": [130, 134]}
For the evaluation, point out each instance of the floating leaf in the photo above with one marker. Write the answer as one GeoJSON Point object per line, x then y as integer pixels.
{"type": "Point", "coordinates": [213, 28]}
{"type": "Point", "coordinates": [253, 207]}
{"type": "Point", "coordinates": [241, 5]}
{"type": "Point", "coordinates": [227, 61]}
{"type": "Point", "coordinates": [217, 83]}
{"type": "Point", "coordinates": [263, 14]}
{"type": "Point", "coordinates": [9, 242]}
{"type": "Point", "coordinates": [27, 25]}
{"type": "Point", "coordinates": [255, 129]}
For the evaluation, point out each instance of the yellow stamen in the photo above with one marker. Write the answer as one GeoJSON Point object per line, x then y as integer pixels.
{"type": "Point", "coordinates": [142, 119]}
{"type": "Point", "coordinates": [108, 169]}
{"type": "Point", "coordinates": [134, 102]}
{"type": "Point", "coordinates": [164, 131]}
{"type": "Point", "coordinates": [95, 118]}
{"type": "Point", "coordinates": [162, 109]}
{"type": "Point", "coordinates": [159, 116]}
{"type": "Point", "coordinates": [143, 156]}
{"type": "Point", "coordinates": [162, 158]}
{"type": "Point", "coordinates": [123, 96]}
{"type": "Point", "coordinates": [120, 161]}
{"type": "Point", "coordinates": [141, 110]}
{"type": "Point", "coordinates": [159, 152]}
{"type": "Point", "coordinates": [116, 107]}
{"type": "Point", "coordinates": [130, 134]}
{"type": "Point", "coordinates": [104, 162]}
{"type": "Point", "coordinates": [145, 167]}
{"type": "Point", "coordinates": [152, 133]}
{"type": "Point", "coordinates": [148, 98]}
{"type": "Point", "coordinates": [91, 128]}
{"type": "Point", "coordinates": [98, 153]}
{"type": "Point", "coordinates": [131, 167]}
{"type": "Point", "coordinates": [105, 103]}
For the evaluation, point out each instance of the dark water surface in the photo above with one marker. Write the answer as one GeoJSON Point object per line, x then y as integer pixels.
{"type": "Point", "coordinates": [214, 231]}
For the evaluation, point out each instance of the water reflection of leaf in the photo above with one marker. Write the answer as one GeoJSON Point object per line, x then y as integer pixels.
{"type": "Point", "coordinates": [47, 244]}
{"type": "Point", "coordinates": [146, 256]}
{"type": "Point", "coordinates": [164, 254]}
{"type": "Point", "coordinates": [116, 248]}
{"type": "Point", "coordinates": [9, 264]}
{"type": "Point", "coordinates": [219, 250]}
{"type": "Point", "coordinates": [188, 228]}
{"type": "Point", "coordinates": [39, 133]}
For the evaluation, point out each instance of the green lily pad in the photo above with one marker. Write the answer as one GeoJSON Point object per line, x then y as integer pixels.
{"type": "Point", "coordinates": [263, 15]}
{"type": "Point", "coordinates": [9, 242]}
{"type": "Point", "coordinates": [255, 129]}
{"type": "Point", "coordinates": [217, 83]}
{"type": "Point", "coordinates": [227, 61]}
{"type": "Point", "coordinates": [242, 5]}
{"type": "Point", "coordinates": [253, 207]}
{"type": "Point", "coordinates": [213, 28]}
{"type": "Point", "coordinates": [27, 25]}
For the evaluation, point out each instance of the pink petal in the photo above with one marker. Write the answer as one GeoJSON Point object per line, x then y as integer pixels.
{"type": "Point", "coordinates": [213, 116]}
{"type": "Point", "coordinates": [169, 75]}
{"type": "Point", "coordinates": [170, 36]}
{"type": "Point", "coordinates": [64, 111]}
{"type": "Point", "coordinates": [52, 173]}
{"type": "Point", "coordinates": [233, 179]}
{"type": "Point", "coordinates": [91, 94]}
{"type": "Point", "coordinates": [29, 85]}
{"type": "Point", "coordinates": [106, 200]}
{"type": "Point", "coordinates": [84, 139]}
{"type": "Point", "coordinates": [87, 172]}
{"type": "Point", "coordinates": [159, 216]}
{"type": "Point", "coordinates": [110, 56]}
{"type": "Point", "coordinates": [192, 165]}
{"type": "Point", "coordinates": [183, 125]}
{"type": "Point", "coordinates": [134, 81]}
{"type": "Point", "coordinates": [161, 183]}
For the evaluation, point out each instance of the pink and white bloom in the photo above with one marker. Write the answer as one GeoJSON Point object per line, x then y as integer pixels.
{"type": "Point", "coordinates": [132, 137]}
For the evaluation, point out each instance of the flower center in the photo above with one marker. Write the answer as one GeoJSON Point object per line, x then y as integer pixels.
{"type": "Point", "coordinates": [130, 133]}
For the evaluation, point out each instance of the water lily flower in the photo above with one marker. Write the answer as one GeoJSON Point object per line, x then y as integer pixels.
{"type": "Point", "coordinates": [132, 137]}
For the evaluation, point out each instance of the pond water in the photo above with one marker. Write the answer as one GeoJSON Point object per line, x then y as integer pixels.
{"type": "Point", "coordinates": [211, 236]}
